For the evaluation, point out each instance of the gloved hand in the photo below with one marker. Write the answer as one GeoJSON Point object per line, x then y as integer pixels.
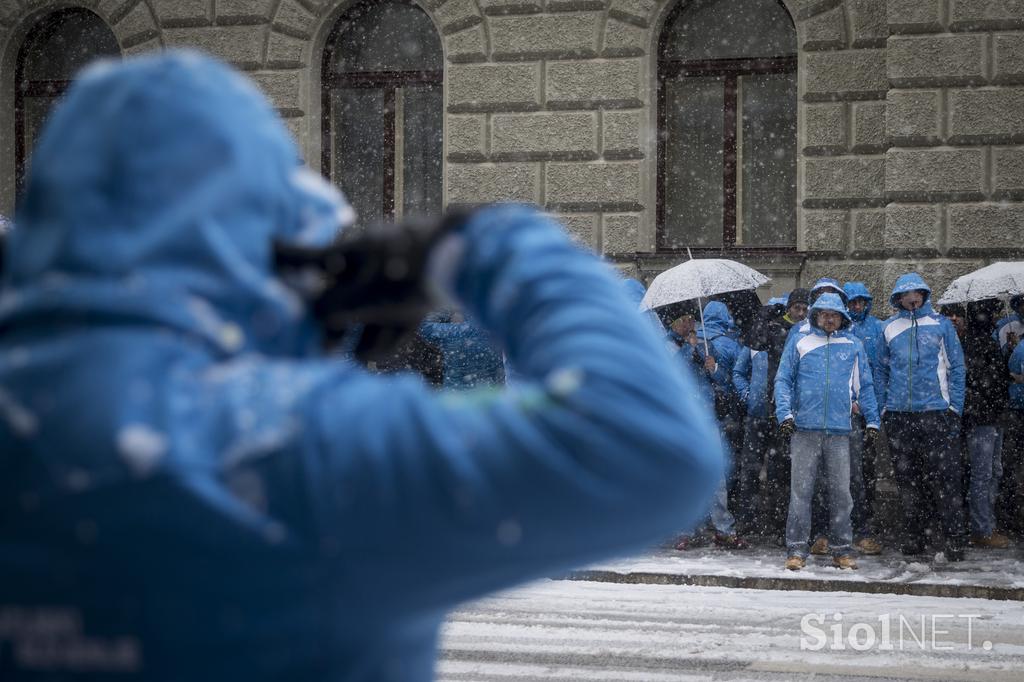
{"type": "Point", "coordinates": [787, 428]}
{"type": "Point", "coordinates": [371, 280]}
{"type": "Point", "coordinates": [871, 438]}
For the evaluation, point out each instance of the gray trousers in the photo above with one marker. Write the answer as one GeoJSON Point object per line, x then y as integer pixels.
{"type": "Point", "coordinates": [809, 452]}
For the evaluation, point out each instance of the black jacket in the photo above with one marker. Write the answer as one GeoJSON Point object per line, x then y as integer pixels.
{"type": "Point", "coordinates": [988, 379]}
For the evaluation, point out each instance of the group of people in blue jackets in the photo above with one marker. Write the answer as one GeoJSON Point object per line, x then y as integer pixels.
{"type": "Point", "coordinates": [804, 405]}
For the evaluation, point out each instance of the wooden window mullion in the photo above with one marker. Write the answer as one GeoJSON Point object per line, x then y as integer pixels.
{"type": "Point", "coordinates": [729, 162]}
{"type": "Point", "coordinates": [388, 154]}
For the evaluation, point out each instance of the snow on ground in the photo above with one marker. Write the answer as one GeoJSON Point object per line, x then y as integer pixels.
{"type": "Point", "coordinates": [991, 568]}
{"type": "Point", "coordinates": [565, 630]}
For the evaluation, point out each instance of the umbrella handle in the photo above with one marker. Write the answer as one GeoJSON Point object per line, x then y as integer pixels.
{"type": "Point", "coordinates": [700, 307]}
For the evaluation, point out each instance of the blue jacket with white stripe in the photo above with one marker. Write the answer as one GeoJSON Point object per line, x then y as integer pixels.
{"type": "Point", "coordinates": [821, 375]}
{"type": "Point", "coordinates": [921, 362]}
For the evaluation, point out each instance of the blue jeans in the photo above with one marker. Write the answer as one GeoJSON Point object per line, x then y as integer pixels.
{"type": "Point", "coordinates": [984, 446]}
{"type": "Point", "coordinates": [808, 450]}
{"type": "Point", "coordinates": [721, 519]}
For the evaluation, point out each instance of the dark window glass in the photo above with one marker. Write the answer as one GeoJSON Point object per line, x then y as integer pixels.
{"type": "Point", "coordinates": [383, 115]}
{"type": "Point", "coordinates": [387, 36]}
{"type": "Point", "coordinates": [693, 194]}
{"type": "Point", "coordinates": [727, 119]}
{"type": "Point", "coordinates": [730, 29]}
{"type": "Point", "coordinates": [54, 50]}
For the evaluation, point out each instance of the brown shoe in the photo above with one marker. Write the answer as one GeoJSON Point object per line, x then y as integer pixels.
{"type": "Point", "coordinates": [845, 562]}
{"type": "Point", "coordinates": [730, 541]}
{"type": "Point", "coordinates": [820, 546]}
{"type": "Point", "coordinates": [795, 563]}
{"type": "Point", "coordinates": [994, 541]}
{"type": "Point", "coordinates": [868, 546]}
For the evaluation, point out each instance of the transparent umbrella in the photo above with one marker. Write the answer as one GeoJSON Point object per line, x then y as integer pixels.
{"type": "Point", "coordinates": [697, 280]}
{"type": "Point", "coordinates": [992, 281]}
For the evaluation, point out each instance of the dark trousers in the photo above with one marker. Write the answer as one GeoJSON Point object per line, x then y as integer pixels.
{"type": "Point", "coordinates": [862, 480]}
{"type": "Point", "coordinates": [764, 446]}
{"type": "Point", "coordinates": [929, 472]}
{"type": "Point", "coordinates": [1009, 510]}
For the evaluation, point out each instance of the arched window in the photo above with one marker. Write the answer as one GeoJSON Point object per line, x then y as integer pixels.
{"type": "Point", "coordinates": [56, 47]}
{"type": "Point", "coordinates": [383, 110]}
{"type": "Point", "coordinates": [727, 98]}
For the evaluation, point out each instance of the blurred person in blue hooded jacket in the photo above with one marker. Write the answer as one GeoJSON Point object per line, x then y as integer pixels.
{"type": "Point", "coordinates": [469, 357]}
{"type": "Point", "coordinates": [921, 369]}
{"type": "Point", "coordinates": [820, 377]}
{"type": "Point", "coordinates": [863, 479]}
{"type": "Point", "coordinates": [191, 490]}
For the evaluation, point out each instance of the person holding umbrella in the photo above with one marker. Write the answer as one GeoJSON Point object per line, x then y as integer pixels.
{"type": "Point", "coordinates": [820, 376]}
{"type": "Point", "coordinates": [711, 359]}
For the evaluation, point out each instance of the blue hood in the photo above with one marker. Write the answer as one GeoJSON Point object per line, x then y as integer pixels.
{"type": "Point", "coordinates": [826, 282]}
{"type": "Point", "coordinates": [829, 301]}
{"type": "Point", "coordinates": [717, 321]}
{"type": "Point", "coordinates": [859, 290]}
{"type": "Point", "coordinates": [634, 289]}
{"type": "Point", "coordinates": [911, 282]}
{"type": "Point", "coordinates": [165, 207]}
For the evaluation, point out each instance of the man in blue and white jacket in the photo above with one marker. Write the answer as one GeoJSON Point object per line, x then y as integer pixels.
{"type": "Point", "coordinates": [921, 365]}
{"type": "Point", "coordinates": [820, 377]}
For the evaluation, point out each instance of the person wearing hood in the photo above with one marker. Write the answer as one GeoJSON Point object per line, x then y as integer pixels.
{"type": "Point", "coordinates": [820, 377]}
{"type": "Point", "coordinates": [776, 323]}
{"type": "Point", "coordinates": [712, 359]}
{"type": "Point", "coordinates": [921, 366]}
{"type": "Point", "coordinates": [191, 489]}
{"type": "Point", "coordinates": [868, 329]}
{"type": "Point", "coordinates": [760, 437]}
{"type": "Point", "coordinates": [770, 335]}
{"type": "Point", "coordinates": [718, 330]}
{"type": "Point", "coordinates": [825, 285]}
{"type": "Point", "coordinates": [986, 398]}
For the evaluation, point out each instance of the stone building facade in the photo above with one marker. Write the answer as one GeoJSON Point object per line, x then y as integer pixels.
{"type": "Point", "coordinates": [907, 143]}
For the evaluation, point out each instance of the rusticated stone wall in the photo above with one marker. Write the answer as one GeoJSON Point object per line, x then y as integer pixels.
{"type": "Point", "coordinates": [910, 115]}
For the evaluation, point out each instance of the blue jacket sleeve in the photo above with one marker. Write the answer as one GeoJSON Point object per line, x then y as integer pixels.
{"type": "Point", "coordinates": [957, 369]}
{"type": "Point", "coordinates": [785, 382]}
{"type": "Point", "coordinates": [1016, 361]}
{"type": "Point", "coordinates": [602, 448]}
{"type": "Point", "coordinates": [726, 351]}
{"type": "Point", "coordinates": [882, 372]}
{"type": "Point", "coordinates": [866, 394]}
{"type": "Point", "coordinates": [741, 373]}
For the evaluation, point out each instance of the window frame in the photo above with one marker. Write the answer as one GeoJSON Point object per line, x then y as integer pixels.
{"type": "Point", "coordinates": [25, 89]}
{"type": "Point", "coordinates": [387, 81]}
{"type": "Point", "coordinates": [729, 70]}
